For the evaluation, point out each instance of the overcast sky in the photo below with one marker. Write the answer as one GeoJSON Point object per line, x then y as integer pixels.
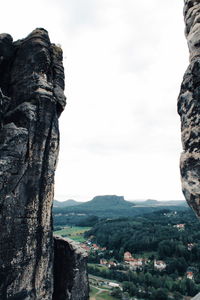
{"type": "Point", "coordinates": [124, 62]}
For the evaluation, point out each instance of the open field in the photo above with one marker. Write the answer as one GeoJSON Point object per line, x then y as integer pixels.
{"type": "Point", "coordinates": [73, 232]}
{"type": "Point", "coordinates": [98, 266]}
{"type": "Point", "coordinates": [99, 288]}
{"type": "Point", "coordinates": [100, 294]}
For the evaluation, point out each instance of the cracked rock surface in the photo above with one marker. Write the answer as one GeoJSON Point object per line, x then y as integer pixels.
{"type": "Point", "coordinates": [31, 100]}
{"type": "Point", "coordinates": [33, 265]}
{"type": "Point", "coordinates": [189, 109]}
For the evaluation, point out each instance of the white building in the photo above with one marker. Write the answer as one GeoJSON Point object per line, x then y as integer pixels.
{"type": "Point", "coordinates": [159, 265]}
{"type": "Point", "coordinates": [114, 284]}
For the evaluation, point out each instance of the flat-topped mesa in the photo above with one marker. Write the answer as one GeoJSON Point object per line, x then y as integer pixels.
{"type": "Point", "coordinates": [31, 100]}
{"type": "Point", "coordinates": [189, 109]}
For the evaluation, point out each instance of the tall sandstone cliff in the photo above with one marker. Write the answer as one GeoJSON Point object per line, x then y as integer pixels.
{"type": "Point", "coordinates": [189, 109]}
{"type": "Point", "coordinates": [31, 100]}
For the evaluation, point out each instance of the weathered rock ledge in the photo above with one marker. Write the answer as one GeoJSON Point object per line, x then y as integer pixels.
{"type": "Point", "coordinates": [71, 285]}
{"type": "Point", "coordinates": [31, 101]}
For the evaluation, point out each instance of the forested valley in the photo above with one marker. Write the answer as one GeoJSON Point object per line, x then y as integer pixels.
{"type": "Point", "coordinates": [164, 249]}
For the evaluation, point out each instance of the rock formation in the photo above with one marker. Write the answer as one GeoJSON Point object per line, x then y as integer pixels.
{"type": "Point", "coordinates": [31, 100]}
{"type": "Point", "coordinates": [189, 109]}
{"type": "Point", "coordinates": [74, 283]}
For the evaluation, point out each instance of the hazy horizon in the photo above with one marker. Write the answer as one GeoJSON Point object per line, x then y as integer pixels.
{"type": "Point", "coordinates": [65, 198]}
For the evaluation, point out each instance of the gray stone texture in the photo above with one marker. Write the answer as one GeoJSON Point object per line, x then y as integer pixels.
{"type": "Point", "coordinates": [189, 109]}
{"type": "Point", "coordinates": [31, 100]}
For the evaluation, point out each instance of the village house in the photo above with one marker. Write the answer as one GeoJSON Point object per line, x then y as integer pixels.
{"type": "Point", "coordinates": [180, 226]}
{"type": "Point", "coordinates": [85, 247]}
{"type": "Point", "coordinates": [95, 247]}
{"type": "Point", "coordinates": [190, 275]}
{"type": "Point", "coordinates": [103, 262]}
{"type": "Point", "coordinates": [137, 263]}
{"type": "Point", "coordinates": [128, 257]}
{"type": "Point", "coordinates": [159, 265]}
{"type": "Point", "coordinates": [134, 263]}
{"type": "Point", "coordinates": [114, 284]}
{"type": "Point", "coordinates": [190, 246]}
{"type": "Point", "coordinates": [112, 263]}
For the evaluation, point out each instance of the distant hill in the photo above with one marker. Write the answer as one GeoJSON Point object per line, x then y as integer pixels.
{"type": "Point", "coordinates": [66, 203]}
{"type": "Point", "coordinates": [112, 206]}
{"type": "Point", "coordinates": [156, 203]}
{"type": "Point", "coordinates": [151, 202]}
{"type": "Point", "coordinates": [107, 202]}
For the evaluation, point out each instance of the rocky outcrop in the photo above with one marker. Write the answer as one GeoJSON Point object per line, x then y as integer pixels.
{"type": "Point", "coordinates": [189, 109]}
{"type": "Point", "coordinates": [31, 100]}
{"type": "Point", "coordinates": [197, 297]}
{"type": "Point", "coordinates": [71, 285]}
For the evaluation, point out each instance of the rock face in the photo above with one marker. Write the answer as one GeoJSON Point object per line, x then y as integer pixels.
{"type": "Point", "coordinates": [189, 109]}
{"type": "Point", "coordinates": [71, 285]}
{"type": "Point", "coordinates": [31, 100]}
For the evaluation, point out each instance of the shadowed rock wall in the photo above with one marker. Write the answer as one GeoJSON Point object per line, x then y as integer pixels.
{"type": "Point", "coordinates": [73, 284]}
{"type": "Point", "coordinates": [189, 109]}
{"type": "Point", "coordinates": [31, 100]}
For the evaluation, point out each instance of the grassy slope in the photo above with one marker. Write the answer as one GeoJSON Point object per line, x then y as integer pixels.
{"type": "Point", "coordinates": [73, 232]}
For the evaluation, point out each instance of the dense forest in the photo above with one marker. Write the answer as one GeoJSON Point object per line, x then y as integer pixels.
{"type": "Point", "coordinates": [150, 232]}
{"type": "Point", "coordinates": [155, 236]}
{"type": "Point", "coordinates": [170, 235]}
{"type": "Point", "coordinates": [149, 284]}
